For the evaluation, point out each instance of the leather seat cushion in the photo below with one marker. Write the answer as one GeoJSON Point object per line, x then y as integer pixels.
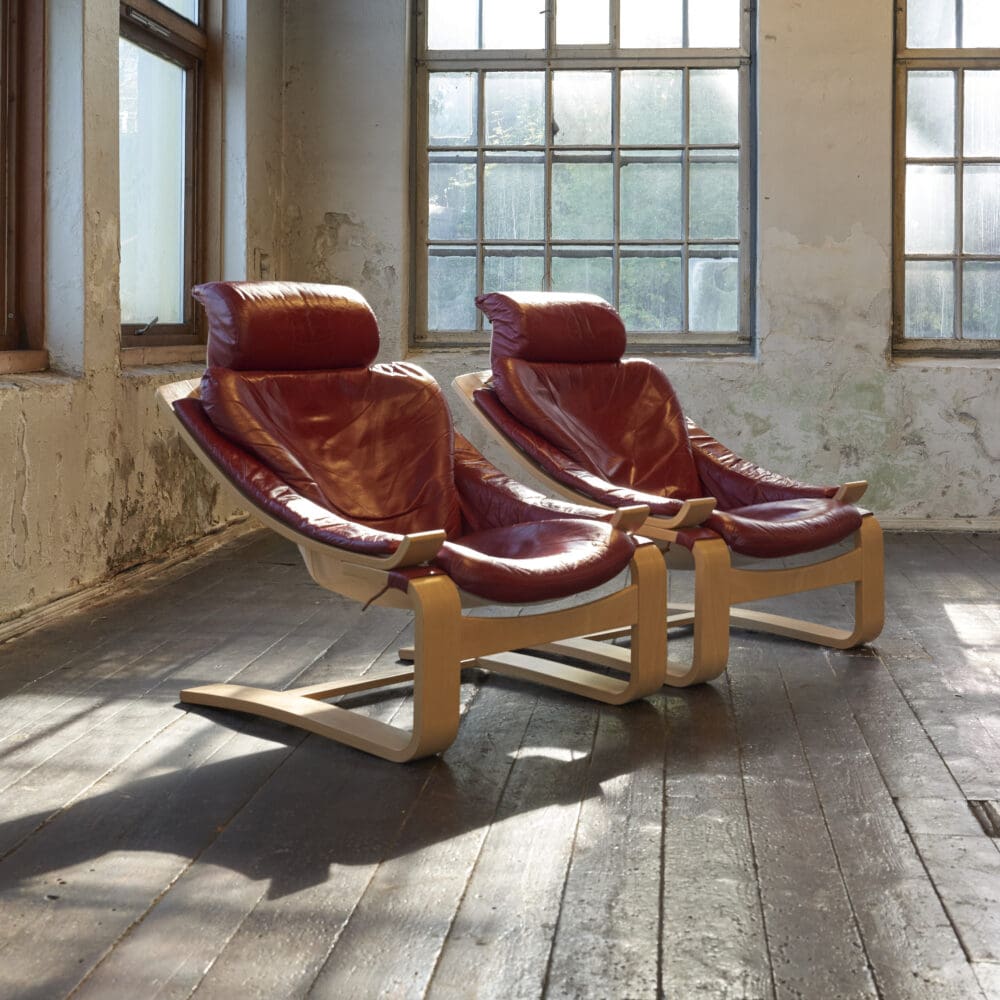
{"type": "Point", "coordinates": [620, 420]}
{"type": "Point", "coordinates": [374, 445]}
{"type": "Point", "coordinates": [539, 561]}
{"type": "Point", "coordinates": [785, 527]}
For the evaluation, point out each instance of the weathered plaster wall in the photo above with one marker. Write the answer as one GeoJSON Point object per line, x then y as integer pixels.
{"type": "Point", "coordinates": [821, 399]}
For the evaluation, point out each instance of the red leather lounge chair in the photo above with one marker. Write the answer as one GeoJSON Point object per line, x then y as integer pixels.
{"type": "Point", "coordinates": [605, 430]}
{"type": "Point", "coordinates": [358, 464]}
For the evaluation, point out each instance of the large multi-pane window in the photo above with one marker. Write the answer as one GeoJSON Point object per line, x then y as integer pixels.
{"type": "Point", "coordinates": [599, 146]}
{"type": "Point", "coordinates": [160, 58]}
{"type": "Point", "coordinates": [947, 288]}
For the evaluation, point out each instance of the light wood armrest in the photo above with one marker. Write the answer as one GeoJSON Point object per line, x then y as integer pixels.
{"type": "Point", "coordinates": [630, 518]}
{"type": "Point", "coordinates": [851, 492]}
{"type": "Point", "coordinates": [692, 513]}
{"type": "Point", "coordinates": [413, 550]}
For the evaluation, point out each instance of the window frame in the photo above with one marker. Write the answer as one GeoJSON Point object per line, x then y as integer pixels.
{"type": "Point", "coordinates": [957, 60]}
{"type": "Point", "coordinates": [22, 103]}
{"type": "Point", "coordinates": [616, 59]}
{"type": "Point", "coordinates": [163, 32]}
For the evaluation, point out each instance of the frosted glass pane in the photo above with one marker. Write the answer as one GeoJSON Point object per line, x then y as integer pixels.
{"type": "Point", "coordinates": [930, 114]}
{"type": "Point", "coordinates": [583, 270]}
{"type": "Point", "coordinates": [930, 299]}
{"type": "Point", "coordinates": [930, 24]}
{"type": "Point", "coordinates": [515, 109]}
{"type": "Point", "coordinates": [930, 209]}
{"type": "Point", "coordinates": [451, 292]}
{"type": "Point", "coordinates": [652, 205]}
{"type": "Point", "coordinates": [451, 102]}
{"type": "Point", "coordinates": [981, 24]}
{"type": "Point", "coordinates": [981, 211]}
{"type": "Point", "coordinates": [581, 199]}
{"type": "Point", "coordinates": [581, 110]}
{"type": "Point", "coordinates": [524, 272]}
{"type": "Point", "coordinates": [652, 24]}
{"type": "Point", "coordinates": [514, 196]}
{"type": "Point", "coordinates": [715, 106]}
{"type": "Point", "coordinates": [513, 24]}
{"type": "Point", "coordinates": [714, 24]}
{"type": "Point", "coordinates": [652, 106]}
{"type": "Point", "coordinates": [151, 161]}
{"type": "Point", "coordinates": [186, 8]}
{"type": "Point", "coordinates": [453, 24]}
{"type": "Point", "coordinates": [451, 196]}
{"type": "Point", "coordinates": [981, 301]}
{"type": "Point", "coordinates": [982, 123]}
{"type": "Point", "coordinates": [650, 293]}
{"type": "Point", "coordinates": [713, 293]}
{"type": "Point", "coordinates": [715, 190]}
{"type": "Point", "coordinates": [582, 22]}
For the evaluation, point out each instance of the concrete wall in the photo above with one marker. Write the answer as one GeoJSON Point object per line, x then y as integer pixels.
{"type": "Point", "coordinates": [822, 399]}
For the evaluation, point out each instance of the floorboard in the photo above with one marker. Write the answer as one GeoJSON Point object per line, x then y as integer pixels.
{"type": "Point", "coordinates": [814, 824]}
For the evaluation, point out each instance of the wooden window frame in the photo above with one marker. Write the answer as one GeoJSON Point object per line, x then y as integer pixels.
{"type": "Point", "coordinates": [22, 78]}
{"type": "Point", "coordinates": [956, 60]}
{"type": "Point", "coordinates": [611, 56]}
{"type": "Point", "coordinates": [163, 32]}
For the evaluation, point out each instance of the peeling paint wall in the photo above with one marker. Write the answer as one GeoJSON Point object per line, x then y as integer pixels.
{"type": "Point", "coordinates": [822, 399]}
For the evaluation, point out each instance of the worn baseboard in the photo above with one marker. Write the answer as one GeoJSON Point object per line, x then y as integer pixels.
{"type": "Point", "coordinates": [986, 524]}
{"type": "Point", "coordinates": [122, 582]}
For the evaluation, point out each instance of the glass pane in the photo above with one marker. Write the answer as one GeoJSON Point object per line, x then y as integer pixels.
{"type": "Point", "coordinates": [514, 271]}
{"type": "Point", "coordinates": [582, 22]}
{"type": "Point", "coordinates": [451, 196]}
{"type": "Point", "coordinates": [581, 113]}
{"type": "Point", "coordinates": [652, 24]}
{"type": "Point", "coordinates": [715, 106]}
{"type": "Point", "coordinates": [186, 8]}
{"type": "Point", "coordinates": [513, 24]}
{"type": "Point", "coordinates": [451, 292]}
{"type": "Point", "coordinates": [982, 123]}
{"type": "Point", "coordinates": [714, 24]}
{"type": "Point", "coordinates": [652, 205]}
{"type": "Point", "coordinates": [515, 109]}
{"type": "Point", "coordinates": [650, 293]}
{"type": "Point", "coordinates": [451, 103]}
{"type": "Point", "coordinates": [715, 193]}
{"type": "Point", "coordinates": [652, 106]}
{"type": "Point", "coordinates": [514, 196]}
{"type": "Point", "coordinates": [582, 198]}
{"type": "Point", "coordinates": [713, 287]}
{"type": "Point", "coordinates": [980, 24]}
{"type": "Point", "coordinates": [930, 114]}
{"type": "Point", "coordinates": [930, 209]}
{"type": "Point", "coordinates": [151, 162]}
{"type": "Point", "coordinates": [981, 301]}
{"type": "Point", "coordinates": [452, 24]}
{"type": "Point", "coordinates": [981, 211]}
{"type": "Point", "coordinates": [930, 24]}
{"type": "Point", "coordinates": [579, 269]}
{"type": "Point", "coordinates": [930, 299]}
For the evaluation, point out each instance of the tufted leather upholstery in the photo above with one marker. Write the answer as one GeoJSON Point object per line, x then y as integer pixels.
{"type": "Point", "coordinates": [357, 456]}
{"type": "Point", "coordinates": [614, 430]}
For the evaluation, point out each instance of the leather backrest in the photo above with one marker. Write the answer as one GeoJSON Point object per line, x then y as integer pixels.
{"type": "Point", "coordinates": [553, 326]}
{"type": "Point", "coordinates": [618, 419]}
{"type": "Point", "coordinates": [374, 445]}
{"type": "Point", "coordinates": [287, 326]}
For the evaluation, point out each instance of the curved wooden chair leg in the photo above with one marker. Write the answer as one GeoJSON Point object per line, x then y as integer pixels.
{"type": "Point", "coordinates": [435, 676]}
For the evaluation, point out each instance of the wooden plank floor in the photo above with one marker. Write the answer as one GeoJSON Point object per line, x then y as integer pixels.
{"type": "Point", "coordinates": [812, 825]}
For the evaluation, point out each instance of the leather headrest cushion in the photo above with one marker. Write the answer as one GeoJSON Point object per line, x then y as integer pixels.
{"type": "Point", "coordinates": [553, 326]}
{"type": "Point", "coordinates": [287, 326]}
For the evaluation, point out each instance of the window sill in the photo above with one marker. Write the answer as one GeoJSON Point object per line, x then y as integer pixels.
{"type": "Point", "coordinates": [142, 357]}
{"type": "Point", "coordinates": [22, 362]}
{"type": "Point", "coordinates": [984, 363]}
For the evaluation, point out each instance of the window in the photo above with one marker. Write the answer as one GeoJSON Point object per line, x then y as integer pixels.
{"type": "Point", "coordinates": [161, 54]}
{"type": "Point", "coordinates": [591, 146]}
{"type": "Point", "coordinates": [947, 224]}
{"type": "Point", "coordinates": [22, 81]}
